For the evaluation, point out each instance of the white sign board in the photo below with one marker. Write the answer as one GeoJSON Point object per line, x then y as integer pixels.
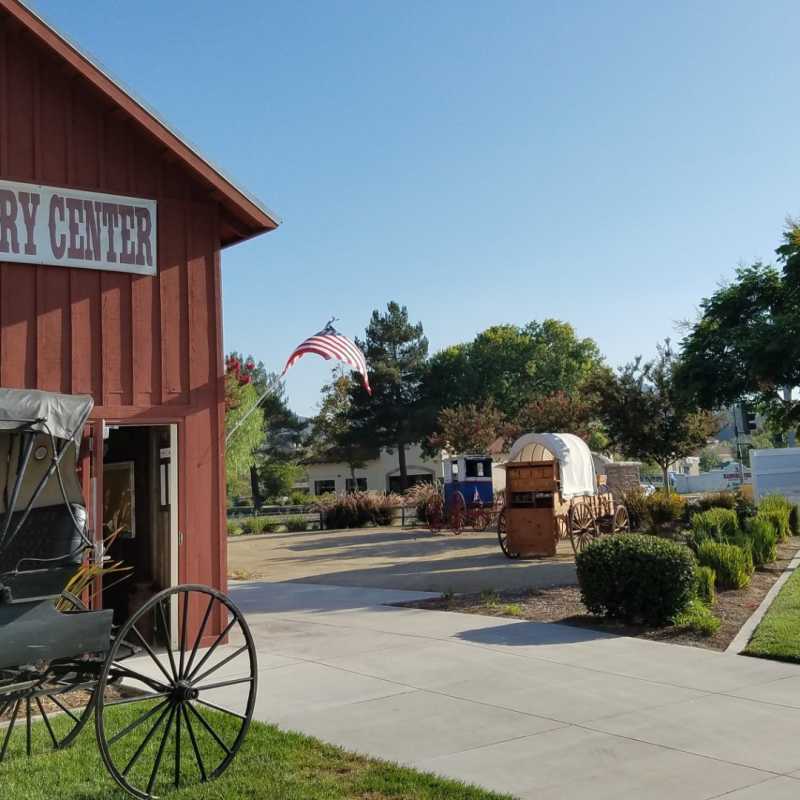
{"type": "Point", "coordinates": [71, 228]}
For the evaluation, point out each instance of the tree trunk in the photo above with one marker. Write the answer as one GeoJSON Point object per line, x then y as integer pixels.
{"type": "Point", "coordinates": [665, 473]}
{"type": "Point", "coordinates": [254, 487]}
{"type": "Point", "coordinates": [401, 458]}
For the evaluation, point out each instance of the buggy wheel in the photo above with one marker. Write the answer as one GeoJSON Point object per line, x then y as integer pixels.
{"type": "Point", "coordinates": [196, 702]}
{"type": "Point", "coordinates": [61, 696]}
{"type": "Point", "coordinates": [481, 518]}
{"type": "Point", "coordinates": [622, 522]}
{"type": "Point", "coordinates": [502, 536]}
{"type": "Point", "coordinates": [458, 512]}
{"type": "Point", "coordinates": [434, 514]}
{"type": "Point", "coordinates": [582, 526]}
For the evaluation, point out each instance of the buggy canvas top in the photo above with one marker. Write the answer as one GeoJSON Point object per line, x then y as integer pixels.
{"type": "Point", "coordinates": [62, 415]}
{"type": "Point", "coordinates": [576, 465]}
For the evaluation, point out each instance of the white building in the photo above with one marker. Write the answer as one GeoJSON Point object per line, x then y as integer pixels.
{"type": "Point", "coordinates": [381, 474]}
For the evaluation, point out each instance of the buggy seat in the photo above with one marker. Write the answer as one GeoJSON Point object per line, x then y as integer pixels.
{"type": "Point", "coordinates": [44, 554]}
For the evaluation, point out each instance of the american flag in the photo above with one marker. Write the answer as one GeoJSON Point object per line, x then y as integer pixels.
{"type": "Point", "coordinates": [329, 343]}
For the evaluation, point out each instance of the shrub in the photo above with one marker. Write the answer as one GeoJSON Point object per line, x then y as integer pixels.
{"type": "Point", "coordinates": [297, 497]}
{"type": "Point", "coordinates": [637, 578]}
{"type": "Point", "coordinates": [777, 509]}
{"type": "Point", "coordinates": [635, 500]}
{"type": "Point", "coordinates": [234, 528]}
{"type": "Point", "coordinates": [419, 495]}
{"type": "Point", "coordinates": [704, 580]}
{"type": "Point", "coordinates": [384, 506]}
{"type": "Point", "coordinates": [352, 510]}
{"type": "Point", "coordinates": [665, 509]}
{"type": "Point", "coordinates": [716, 500]}
{"type": "Point", "coordinates": [762, 540]}
{"type": "Point", "coordinates": [296, 524]}
{"type": "Point", "coordinates": [699, 618]}
{"type": "Point", "coordinates": [745, 507]}
{"type": "Point", "coordinates": [732, 565]}
{"type": "Point", "coordinates": [719, 524]}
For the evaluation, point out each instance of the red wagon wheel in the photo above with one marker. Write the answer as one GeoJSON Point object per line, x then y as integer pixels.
{"type": "Point", "coordinates": [502, 536]}
{"type": "Point", "coordinates": [434, 514]}
{"type": "Point", "coordinates": [582, 526]}
{"type": "Point", "coordinates": [458, 512]}
{"type": "Point", "coordinates": [480, 517]}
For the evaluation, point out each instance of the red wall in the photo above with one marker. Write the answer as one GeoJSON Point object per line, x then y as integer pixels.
{"type": "Point", "coordinates": [146, 348]}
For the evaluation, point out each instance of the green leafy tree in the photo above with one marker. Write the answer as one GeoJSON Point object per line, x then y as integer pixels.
{"type": "Point", "coordinates": [709, 459]}
{"type": "Point", "coordinates": [239, 399]}
{"type": "Point", "coordinates": [396, 351]}
{"type": "Point", "coordinates": [645, 415]}
{"type": "Point", "coordinates": [332, 437]}
{"type": "Point", "coordinates": [746, 342]}
{"type": "Point", "coordinates": [511, 366]}
{"type": "Point", "coordinates": [470, 428]}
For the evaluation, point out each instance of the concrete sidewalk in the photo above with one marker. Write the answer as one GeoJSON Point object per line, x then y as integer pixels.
{"type": "Point", "coordinates": [539, 711]}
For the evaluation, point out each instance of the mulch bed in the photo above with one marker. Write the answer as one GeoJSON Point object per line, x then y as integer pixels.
{"type": "Point", "coordinates": [71, 700]}
{"type": "Point", "coordinates": [563, 604]}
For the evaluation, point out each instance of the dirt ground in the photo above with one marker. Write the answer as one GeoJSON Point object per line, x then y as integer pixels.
{"type": "Point", "coordinates": [395, 558]}
{"type": "Point", "coordinates": [563, 604]}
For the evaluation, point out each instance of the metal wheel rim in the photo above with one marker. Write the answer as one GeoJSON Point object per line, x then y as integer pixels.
{"type": "Point", "coordinates": [183, 715]}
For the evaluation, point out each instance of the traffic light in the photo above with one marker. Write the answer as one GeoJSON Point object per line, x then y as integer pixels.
{"type": "Point", "coordinates": [750, 423]}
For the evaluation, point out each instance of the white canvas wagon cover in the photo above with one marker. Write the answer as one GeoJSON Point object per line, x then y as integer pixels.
{"type": "Point", "coordinates": [63, 414]}
{"type": "Point", "coordinates": [572, 453]}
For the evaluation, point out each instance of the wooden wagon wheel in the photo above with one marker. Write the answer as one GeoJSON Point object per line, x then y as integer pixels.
{"type": "Point", "coordinates": [60, 696]}
{"type": "Point", "coordinates": [457, 513]}
{"type": "Point", "coordinates": [434, 514]}
{"type": "Point", "coordinates": [582, 526]}
{"type": "Point", "coordinates": [502, 536]}
{"type": "Point", "coordinates": [622, 521]}
{"type": "Point", "coordinates": [480, 517]}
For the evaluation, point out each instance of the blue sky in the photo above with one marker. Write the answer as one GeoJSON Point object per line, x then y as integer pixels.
{"type": "Point", "coordinates": [605, 163]}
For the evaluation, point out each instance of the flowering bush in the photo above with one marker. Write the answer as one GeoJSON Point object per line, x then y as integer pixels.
{"type": "Point", "coordinates": [356, 509]}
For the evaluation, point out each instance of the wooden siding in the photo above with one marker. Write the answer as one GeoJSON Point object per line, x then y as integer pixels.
{"type": "Point", "coordinates": [147, 348]}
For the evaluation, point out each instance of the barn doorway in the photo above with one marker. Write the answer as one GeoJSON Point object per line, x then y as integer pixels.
{"type": "Point", "coordinates": [138, 498]}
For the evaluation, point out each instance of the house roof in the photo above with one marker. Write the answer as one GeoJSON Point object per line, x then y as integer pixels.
{"type": "Point", "coordinates": [244, 216]}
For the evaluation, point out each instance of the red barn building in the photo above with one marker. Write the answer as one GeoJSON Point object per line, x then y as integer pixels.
{"type": "Point", "coordinates": [111, 229]}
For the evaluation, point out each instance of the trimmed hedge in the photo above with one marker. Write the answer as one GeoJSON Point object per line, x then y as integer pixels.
{"type": "Point", "coordinates": [732, 564]}
{"type": "Point", "coordinates": [719, 524]}
{"type": "Point", "coordinates": [716, 500]}
{"type": "Point", "coordinates": [636, 578]}
{"type": "Point", "coordinates": [704, 580]}
{"type": "Point", "coordinates": [665, 509]}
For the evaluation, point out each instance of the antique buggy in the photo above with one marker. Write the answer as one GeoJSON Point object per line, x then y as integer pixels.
{"type": "Point", "coordinates": [172, 688]}
{"type": "Point", "coordinates": [553, 492]}
{"type": "Point", "coordinates": [467, 497]}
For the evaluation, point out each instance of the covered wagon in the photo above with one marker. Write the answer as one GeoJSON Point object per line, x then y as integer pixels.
{"type": "Point", "coordinates": [553, 492]}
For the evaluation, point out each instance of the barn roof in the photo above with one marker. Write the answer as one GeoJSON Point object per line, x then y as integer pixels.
{"type": "Point", "coordinates": [245, 215]}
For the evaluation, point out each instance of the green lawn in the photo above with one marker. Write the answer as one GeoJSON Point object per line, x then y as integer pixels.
{"type": "Point", "coordinates": [272, 765]}
{"type": "Point", "coordinates": [778, 634]}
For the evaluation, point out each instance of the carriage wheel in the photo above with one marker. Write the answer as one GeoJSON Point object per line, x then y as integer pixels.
{"type": "Point", "coordinates": [44, 699]}
{"type": "Point", "coordinates": [197, 701]}
{"type": "Point", "coordinates": [434, 514]}
{"type": "Point", "coordinates": [582, 526]}
{"type": "Point", "coordinates": [458, 512]}
{"type": "Point", "coordinates": [502, 536]}
{"type": "Point", "coordinates": [622, 521]}
{"type": "Point", "coordinates": [481, 518]}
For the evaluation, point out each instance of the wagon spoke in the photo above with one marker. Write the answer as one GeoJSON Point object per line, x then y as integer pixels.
{"type": "Point", "coordinates": [127, 672]}
{"type": "Point", "coordinates": [28, 726]}
{"type": "Point", "coordinates": [165, 624]}
{"type": "Point", "coordinates": [154, 774]}
{"type": "Point", "coordinates": [200, 633]}
{"type": "Point", "coordinates": [9, 729]}
{"type": "Point", "coordinates": [211, 649]}
{"type": "Point", "coordinates": [140, 749]}
{"type": "Point", "coordinates": [66, 709]}
{"type": "Point", "coordinates": [220, 708]}
{"type": "Point", "coordinates": [219, 664]}
{"type": "Point", "coordinates": [46, 721]}
{"type": "Point", "coordinates": [196, 749]}
{"type": "Point", "coordinates": [152, 653]}
{"type": "Point", "coordinates": [178, 747]}
{"type": "Point", "coordinates": [208, 727]}
{"type": "Point", "coordinates": [223, 684]}
{"type": "Point", "coordinates": [138, 699]}
{"type": "Point", "coordinates": [137, 722]}
{"type": "Point", "coordinates": [184, 625]}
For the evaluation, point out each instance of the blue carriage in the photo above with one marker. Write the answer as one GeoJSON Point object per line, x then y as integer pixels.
{"type": "Point", "coordinates": [468, 496]}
